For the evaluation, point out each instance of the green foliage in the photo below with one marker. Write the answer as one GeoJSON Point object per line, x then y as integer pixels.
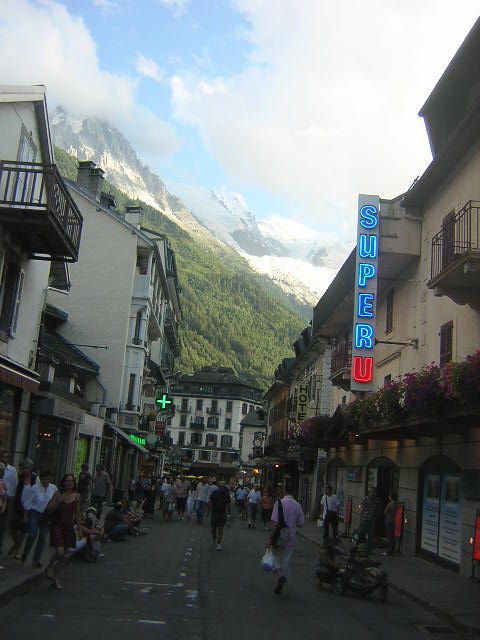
{"type": "Point", "coordinates": [231, 315]}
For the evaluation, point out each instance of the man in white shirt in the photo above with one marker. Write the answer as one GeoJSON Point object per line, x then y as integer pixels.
{"type": "Point", "coordinates": [254, 498]}
{"type": "Point", "coordinates": [329, 506]}
{"type": "Point", "coordinates": [35, 502]}
{"type": "Point", "coordinates": [10, 478]}
{"type": "Point", "coordinates": [202, 496]}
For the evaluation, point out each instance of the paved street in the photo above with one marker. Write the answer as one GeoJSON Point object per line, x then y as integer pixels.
{"type": "Point", "coordinates": [173, 584]}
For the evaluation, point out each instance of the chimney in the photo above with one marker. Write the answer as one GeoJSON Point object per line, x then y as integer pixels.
{"type": "Point", "coordinates": [134, 215]}
{"type": "Point", "coordinates": [90, 178]}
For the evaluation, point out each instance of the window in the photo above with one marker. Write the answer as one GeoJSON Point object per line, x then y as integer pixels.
{"type": "Point", "coordinates": [228, 424]}
{"type": "Point", "coordinates": [181, 438]}
{"type": "Point", "coordinates": [138, 329]}
{"type": "Point", "coordinates": [183, 420]}
{"type": "Point", "coordinates": [198, 419]}
{"type": "Point", "coordinates": [227, 442]}
{"type": "Point", "coordinates": [214, 456]}
{"type": "Point", "coordinates": [389, 313]}
{"type": "Point", "coordinates": [196, 439]}
{"type": "Point", "coordinates": [211, 440]}
{"type": "Point", "coordinates": [11, 290]}
{"type": "Point", "coordinates": [205, 456]}
{"type": "Point", "coordinates": [184, 404]}
{"type": "Point", "coordinates": [212, 422]}
{"type": "Point", "coordinates": [199, 405]}
{"type": "Point", "coordinates": [214, 408]}
{"type": "Point", "coordinates": [229, 406]}
{"type": "Point", "coordinates": [244, 408]}
{"type": "Point", "coordinates": [131, 391]}
{"type": "Point", "coordinates": [227, 457]}
{"type": "Point", "coordinates": [446, 342]}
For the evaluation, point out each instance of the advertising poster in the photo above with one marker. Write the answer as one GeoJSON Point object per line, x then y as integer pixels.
{"type": "Point", "coordinates": [431, 512]}
{"type": "Point", "coordinates": [450, 520]}
{"type": "Point", "coordinates": [476, 539]}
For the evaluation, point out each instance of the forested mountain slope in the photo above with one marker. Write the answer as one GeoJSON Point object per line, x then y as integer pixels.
{"type": "Point", "coordinates": [231, 315]}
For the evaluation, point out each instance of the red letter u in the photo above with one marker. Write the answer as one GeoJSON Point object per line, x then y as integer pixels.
{"type": "Point", "coordinates": [362, 369]}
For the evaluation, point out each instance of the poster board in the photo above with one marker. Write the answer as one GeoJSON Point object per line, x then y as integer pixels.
{"type": "Point", "coordinates": [431, 512]}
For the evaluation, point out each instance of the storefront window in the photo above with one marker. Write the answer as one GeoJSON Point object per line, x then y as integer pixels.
{"type": "Point", "coordinates": [8, 414]}
{"type": "Point", "coordinates": [51, 448]}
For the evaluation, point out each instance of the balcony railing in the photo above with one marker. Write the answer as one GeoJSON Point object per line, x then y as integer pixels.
{"type": "Point", "coordinates": [459, 237]}
{"type": "Point", "coordinates": [199, 426]}
{"type": "Point", "coordinates": [341, 358]}
{"type": "Point", "coordinates": [35, 203]}
{"type": "Point", "coordinates": [184, 409]}
{"type": "Point", "coordinates": [214, 411]}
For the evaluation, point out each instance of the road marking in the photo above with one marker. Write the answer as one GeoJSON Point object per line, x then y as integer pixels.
{"type": "Point", "coordinates": [47, 615]}
{"type": "Point", "coordinates": [157, 584]}
{"type": "Point", "coordinates": [151, 621]}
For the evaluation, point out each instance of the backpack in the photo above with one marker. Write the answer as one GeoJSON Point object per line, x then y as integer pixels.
{"type": "Point", "coordinates": [281, 535]}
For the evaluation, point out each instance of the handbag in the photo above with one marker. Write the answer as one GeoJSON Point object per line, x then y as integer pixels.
{"type": "Point", "coordinates": [268, 561]}
{"type": "Point", "coordinates": [281, 535]}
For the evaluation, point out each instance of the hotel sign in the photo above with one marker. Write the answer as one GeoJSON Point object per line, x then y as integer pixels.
{"type": "Point", "coordinates": [366, 276]}
{"type": "Point", "coordinates": [302, 402]}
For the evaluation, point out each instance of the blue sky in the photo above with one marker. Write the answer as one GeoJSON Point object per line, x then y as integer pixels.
{"type": "Point", "coordinates": [299, 105]}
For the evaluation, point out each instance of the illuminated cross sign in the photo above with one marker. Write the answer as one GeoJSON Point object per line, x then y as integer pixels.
{"type": "Point", "coordinates": [137, 439]}
{"type": "Point", "coordinates": [163, 403]}
{"type": "Point", "coordinates": [365, 293]}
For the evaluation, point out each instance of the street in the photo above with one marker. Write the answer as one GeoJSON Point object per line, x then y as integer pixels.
{"type": "Point", "coordinates": [172, 583]}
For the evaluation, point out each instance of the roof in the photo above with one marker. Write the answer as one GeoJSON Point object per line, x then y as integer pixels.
{"type": "Point", "coordinates": [215, 374]}
{"type": "Point", "coordinates": [56, 346]}
{"type": "Point", "coordinates": [252, 419]}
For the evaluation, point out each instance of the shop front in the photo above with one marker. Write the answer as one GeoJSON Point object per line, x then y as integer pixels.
{"type": "Point", "coordinates": [383, 474]}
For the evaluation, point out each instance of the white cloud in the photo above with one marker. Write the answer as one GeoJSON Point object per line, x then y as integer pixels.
{"type": "Point", "coordinates": [148, 68]}
{"type": "Point", "coordinates": [106, 6]}
{"type": "Point", "coordinates": [57, 50]}
{"type": "Point", "coordinates": [178, 7]}
{"type": "Point", "coordinates": [326, 106]}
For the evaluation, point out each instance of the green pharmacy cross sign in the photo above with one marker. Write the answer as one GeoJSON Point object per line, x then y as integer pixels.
{"type": "Point", "coordinates": [163, 403]}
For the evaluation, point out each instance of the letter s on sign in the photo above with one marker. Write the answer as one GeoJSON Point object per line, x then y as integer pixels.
{"type": "Point", "coordinates": [369, 216]}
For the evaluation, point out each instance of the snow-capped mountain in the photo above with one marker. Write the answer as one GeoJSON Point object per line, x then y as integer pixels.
{"type": "Point", "coordinates": [298, 259]}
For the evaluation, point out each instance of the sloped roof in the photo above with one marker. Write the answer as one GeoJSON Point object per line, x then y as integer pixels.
{"type": "Point", "coordinates": [252, 419]}
{"type": "Point", "coordinates": [56, 346]}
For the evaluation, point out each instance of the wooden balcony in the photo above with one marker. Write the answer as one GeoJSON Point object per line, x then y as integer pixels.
{"type": "Point", "coordinates": [37, 208]}
{"type": "Point", "coordinates": [455, 266]}
{"type": "Point", "coordinates": [341, 365]}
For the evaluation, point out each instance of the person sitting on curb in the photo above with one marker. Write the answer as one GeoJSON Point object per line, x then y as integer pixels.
{"type": "Point", "coordinates": [117, 524]}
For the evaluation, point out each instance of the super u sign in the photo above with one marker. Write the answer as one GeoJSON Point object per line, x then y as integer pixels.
{"type": "Point", "coordinates": [366, 275]}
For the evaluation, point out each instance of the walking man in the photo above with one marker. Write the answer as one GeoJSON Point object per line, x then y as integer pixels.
{"type": "Point", "coordinates": [293, 518]}
{"type": "Point", "coordinates": [253, 500]}
{"type": "Point", "coordinates": [35, 502]}
{"type": "Point", "coordinates": [370, 508]}
{"type": "Point", "coordinates": [182, 486]}
{"type": "Point", "coordinates": [220, 510]}
{"type": "Point", "coordinates": [10, 480]}
{"type": "Point", "coordinates": [101, 487]}
{"type": "Point", "coordinates": [329, 506]}
{"type": "Point", "coordinates": [202, 493]}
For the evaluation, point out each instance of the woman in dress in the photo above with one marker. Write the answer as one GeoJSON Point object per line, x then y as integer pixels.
{"type": "Point", "coordinates": [18, 522]}
{"type": "Point", "coordinates": [66, 513]}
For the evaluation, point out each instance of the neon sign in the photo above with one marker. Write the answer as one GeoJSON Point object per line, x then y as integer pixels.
{"type": "Point", "coordinates": [137, 439]}
{"type": "Point", "coordinates": [365, 293]}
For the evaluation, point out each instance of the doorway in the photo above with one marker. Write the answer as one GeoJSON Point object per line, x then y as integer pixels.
{"type": "Point", "coordinates": [383, 474]}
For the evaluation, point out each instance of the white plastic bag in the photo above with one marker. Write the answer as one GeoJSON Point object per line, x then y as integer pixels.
{"type": "Point", "coordinates": [268, 560]}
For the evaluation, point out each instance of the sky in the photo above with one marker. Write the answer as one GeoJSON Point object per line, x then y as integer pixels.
{"type": "Point", "coordinates": [298, 105]}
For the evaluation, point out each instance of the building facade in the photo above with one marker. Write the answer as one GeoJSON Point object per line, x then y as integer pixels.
{"type": "Point", "coordinates": [210, 405]}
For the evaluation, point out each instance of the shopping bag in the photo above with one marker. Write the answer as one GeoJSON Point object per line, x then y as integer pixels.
{"type": "Point", "coordinates": [268, 560]}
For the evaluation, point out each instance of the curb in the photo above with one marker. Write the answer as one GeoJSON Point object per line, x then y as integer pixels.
{"type": "Point", "coordinates": [18, 586]}
{"type": "Point", "coordinates": [450, 619]}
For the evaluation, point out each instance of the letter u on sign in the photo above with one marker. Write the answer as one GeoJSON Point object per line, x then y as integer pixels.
{"type": "Point", "coordinates": [362, 369]}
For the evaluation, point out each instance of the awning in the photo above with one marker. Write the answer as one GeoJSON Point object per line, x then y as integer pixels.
{"type": "Point", "coordinates": [128, 440]}
{"type": "Point", "coordinates": [18, 376]}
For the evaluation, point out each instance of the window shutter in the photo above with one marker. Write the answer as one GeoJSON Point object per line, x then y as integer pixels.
{"type": "Point", "coordinates": [18, 300]}
{"type": "Point", "coordinates": [446, 342]}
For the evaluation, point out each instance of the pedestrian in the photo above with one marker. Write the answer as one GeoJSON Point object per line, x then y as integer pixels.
{"type": "Point", "coordinates": [190, 502]}
{"type": "Point", "coordinates": [3, 504]}
{"type": "Point", "coordinates": [65, 513]}
{"type": "Point", "coordinates": [11, 480]}
{"type": "Point", "coordinates": [100, 489]}
{"type": "Point", "coordinates": [219, 506]}
{"type": "Point", "coordinates": [170, 502]}
{"type": "Point", "coordinates": [35, 502]}
{"type": "Point", "coordinates": [267, 507]}
{"type": "Point", "coordinates": [182, 486]}
{"type": "Point", "coordinates": [201, 499]}
{"type": "Point", "coordinates": [117, 525]}
{"type": "Point", "coordinates": [84, 486]}
{"type": "Point", "coordinates": [254, 498]}
{"type": "Point", "coordinates": [240, 497]}
{"type": "Point", "coordinates": [389, 515]}
{"type": "Point", "coordinates": [329, 506]}
{"type": "Point", "coordinates": [19, 520]}
{"type": "Point", "coordinates": [369, 511]}
{"type": "Point", "coordinates": [293, 518]}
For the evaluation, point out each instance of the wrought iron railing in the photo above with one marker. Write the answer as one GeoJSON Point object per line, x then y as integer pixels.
{"type": "Point", "coordinates": [460, 234]}
{"type": "Point", "coordinates": [341, 357]}
{"type": "Point", "coordinates": [36, 186]}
